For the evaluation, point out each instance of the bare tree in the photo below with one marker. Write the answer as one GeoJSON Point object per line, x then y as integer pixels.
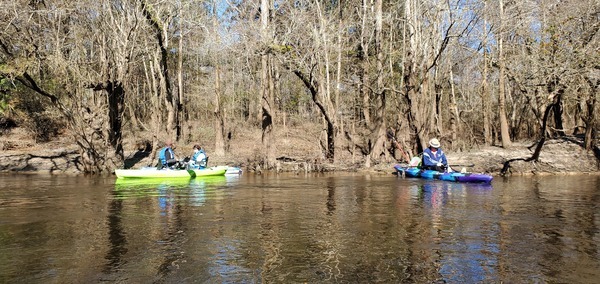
{"type": "Point", "coordinates": [268, 96]}
{"type": "Point", "coordinates": [424, 68]}
{"type": "Point", "coordinates": [88, 52]}
{"type": "Point", "coordinates": [379, 123]}
{"type": "Point", "coordinates": [504, 131]}
{"type": "Point", "coordinates": [160, 30]}
{"type": "Point", "coordinates": [218, 112]}
{"type": "Point", "coordinates": [485, 96]}
{"type": "Point", "coordinates": [424, 47]}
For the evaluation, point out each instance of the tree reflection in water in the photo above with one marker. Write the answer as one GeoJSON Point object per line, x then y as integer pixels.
{"type": "Point", "coordinates": [464, 246]}
{"type": "Point", "coordinates": [169, 232]}
{"type": "Point", "coordinates": [116, 236]}
{"type": "Point", "coordinates": [296, 229]}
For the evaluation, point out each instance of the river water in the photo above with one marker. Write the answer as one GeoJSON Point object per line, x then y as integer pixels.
{"type": "Point", "coordinates": [294, 229]}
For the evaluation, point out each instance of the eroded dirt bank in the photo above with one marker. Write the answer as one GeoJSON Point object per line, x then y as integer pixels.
{"type": "Point", "coordinates": [558, 156]}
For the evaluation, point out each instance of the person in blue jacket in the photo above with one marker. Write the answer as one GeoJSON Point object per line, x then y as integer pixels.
{"type": "Point", "coordinates": [166, 156]}
{"type": "Point", "coordinates": [434, 158]}
{"type": "Point", "coordinates": [199, 159]}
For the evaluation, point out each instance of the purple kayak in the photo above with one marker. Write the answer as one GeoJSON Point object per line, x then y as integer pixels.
{"type": "Point", "coordinates": [477, 178]}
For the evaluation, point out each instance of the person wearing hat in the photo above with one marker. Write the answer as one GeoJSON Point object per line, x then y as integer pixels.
{"type": "Point", "coordinates": [434, 158]}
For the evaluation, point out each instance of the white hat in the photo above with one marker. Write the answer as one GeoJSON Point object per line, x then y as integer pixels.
{"type": "Point", "coordinates": [434, 143]}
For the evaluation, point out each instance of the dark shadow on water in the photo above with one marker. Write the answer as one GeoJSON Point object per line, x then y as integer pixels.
{"type": "Point", "coordinates": [116, 236]}
{"type": "Point", "coordinates": [175, 235]}
{"type": "Point", "coordinates": [331, 196]}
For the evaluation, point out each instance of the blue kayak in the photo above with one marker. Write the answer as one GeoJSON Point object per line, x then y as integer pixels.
{"type": "Point", "coordinates": [452, 176]}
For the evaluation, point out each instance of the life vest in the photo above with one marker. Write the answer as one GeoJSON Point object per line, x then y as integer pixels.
{"type": "Point", "coordinates": [200, 158]}
{"type": "Point", "coordinates": [165, 154]}
{"type": "Point", "coordinates": [431, 159]}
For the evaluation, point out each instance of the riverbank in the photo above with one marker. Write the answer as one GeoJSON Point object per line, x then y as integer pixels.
{"type": "Point", "coordinates": [301, 155]}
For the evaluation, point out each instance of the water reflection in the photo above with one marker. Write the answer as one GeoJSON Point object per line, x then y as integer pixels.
{"type": "Point", "coordinates": [116, 236]}
{"type": "Point", "coordinates": [167, 229]}
{"type": "Point", "coordinates": [194, 190]}
{"type": "Point", "coordinates": [297, 229]}
{"type": "Point", "coordinates": [173, 231]}
{"type": "Point", "coordinates": [545, 222]}
{"type": "Point", "coordinates": [330, 196]}
{"type": "Point", "coordinates": [464, 247]}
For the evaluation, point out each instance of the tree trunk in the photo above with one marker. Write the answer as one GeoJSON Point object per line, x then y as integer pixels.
{"type": "Point", "coordinates": [590, 116]}
{"type": "Point", "coordinates": [538, 148]}
{"type": "Point", "coordinates": [380, 124]}
{"type": "Point", "coordinates": [218, 112]}
{"type": "Point", "coordinates": [267, 101]}
{"type": "Point", "coordinates": [578, 114]}
{"type": "Point", "coordinates": [161, 39]}
{"type": "Point", "coordinates": [540, 144]}
{"type": "Point", "coordinates": [504, 129]}
{"type": "Point", "coordinates": [101, 144]}
{"type": "Point", "coordinates": [116, 107]}
{"type": "Point", "coordinates": [485, 93]}
{"type": "Point", "coordinates": [455, 118]}
{"type": "Point", "coordinates": [180, 106]}
{"type": "Point", "coordinates": [365, 92]}
{"type": "Point", "coordinates": [218, 115]}
{"type": "Point", "coordinates": [116, 97]}
{"type": "Point", "coordinates": [558, 122]}
{"type": "Point", "coordinates": [338, 82]}
{"type": "Point", "coordinates": [331, 126]}
{"type": "Point", "coordinates": [156, 107]}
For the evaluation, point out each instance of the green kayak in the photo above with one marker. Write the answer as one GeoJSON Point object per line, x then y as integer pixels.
{"type": "Point", "coordinates": [153, 173]}
{"type": "Point", "coordinates": [173, 183]}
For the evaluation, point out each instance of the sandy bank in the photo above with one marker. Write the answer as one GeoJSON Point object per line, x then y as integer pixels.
{"type": "Point", "coordinates": [559, 156]}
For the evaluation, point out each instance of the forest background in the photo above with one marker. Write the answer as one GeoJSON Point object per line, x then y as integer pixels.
{"type": "Point", "coordinates": [347, 77]}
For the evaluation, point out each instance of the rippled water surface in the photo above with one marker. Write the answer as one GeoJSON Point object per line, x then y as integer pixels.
{"type": "Point", "coordinates": [296, 228]}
